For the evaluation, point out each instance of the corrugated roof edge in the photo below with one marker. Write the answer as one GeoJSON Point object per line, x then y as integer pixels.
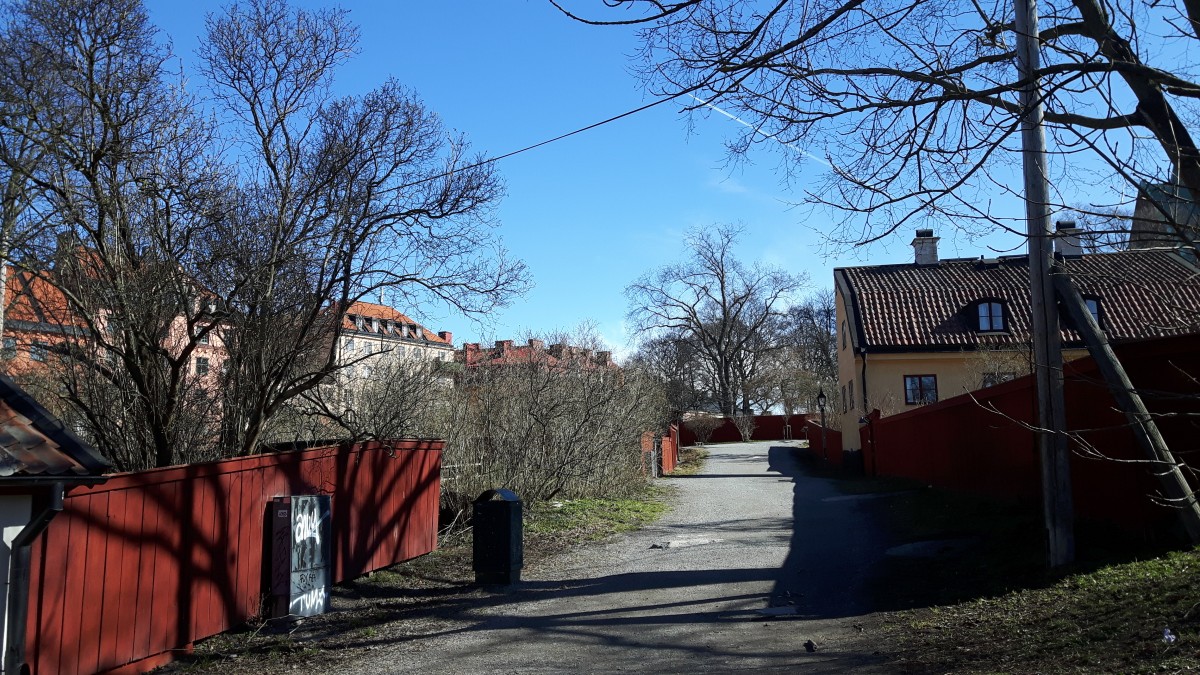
{"type": "Point", "coordinates": [43, 421]}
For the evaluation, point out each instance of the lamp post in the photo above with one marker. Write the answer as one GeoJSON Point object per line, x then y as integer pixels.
{"type": "Point", "coordinates": [821, 404]}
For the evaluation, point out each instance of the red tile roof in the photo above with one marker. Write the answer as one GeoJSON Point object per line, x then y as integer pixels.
{"type": "Point", "coordinates": [33, 444]}
{"type": "Point", "coordinates": [33, 299]}
{"type": "Point", "coordinates": [370, 310]}
{"type": "Point", "coordinates": [911, 307]}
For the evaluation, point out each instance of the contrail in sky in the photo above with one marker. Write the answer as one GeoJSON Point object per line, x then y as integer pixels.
{"type": "Point", "coordinates": [746, 124]}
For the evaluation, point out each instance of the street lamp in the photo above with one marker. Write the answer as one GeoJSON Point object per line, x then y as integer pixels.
{"type": "Point", "coordinates": [821, 404]}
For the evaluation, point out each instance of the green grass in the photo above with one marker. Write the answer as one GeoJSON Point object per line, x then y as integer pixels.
{"type": "Point", "coordinates": [691, 461]}
{"type": "Point", "coordinates": [1109, 620]}
{"type": "Point", "coordinates": [592, 519]}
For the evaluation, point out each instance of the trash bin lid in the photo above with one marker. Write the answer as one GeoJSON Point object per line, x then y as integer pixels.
{"type": "Point", "coordinates": [501, 493]}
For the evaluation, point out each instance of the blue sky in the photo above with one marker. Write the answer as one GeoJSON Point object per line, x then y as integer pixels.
{"type": "Point", "coordinates": [590, 213]}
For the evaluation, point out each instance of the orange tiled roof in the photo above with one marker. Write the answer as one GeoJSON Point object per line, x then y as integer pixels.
{"type": "Point", "coordinates": [370, 310]}
{"type": "Point", "coordinates": [908, 307]}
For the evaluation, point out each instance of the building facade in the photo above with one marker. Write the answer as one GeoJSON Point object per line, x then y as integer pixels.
{"type": "Point", "coordinates": [915, 333]}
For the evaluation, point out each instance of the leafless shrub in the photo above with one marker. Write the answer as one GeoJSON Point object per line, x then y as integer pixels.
{"type": "Point", "coordinates": [703, 426]}
{"type": "Point", "coordinates": [745, 425]}
{"type": "Point", "coordinates": [547, 427]}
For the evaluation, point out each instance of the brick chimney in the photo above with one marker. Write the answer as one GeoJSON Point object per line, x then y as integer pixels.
{"type": "Point", "coordinates": [537, 345]}
{"type": "Point", "coordinates": [558, 351]}
{"type": "Point", "coordinates": [925, 248]}
{"type": "Point", "coordinates": [470, 353]}
{"type": "Point", "coordinates": [447, 336]}
{"type": "Point", "coordinates": [1066, 239]}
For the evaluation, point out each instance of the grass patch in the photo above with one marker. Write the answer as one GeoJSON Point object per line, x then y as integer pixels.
{"type": "Point", "coordinates": [691, 461]}
{"type": "Point", "coordinates": [592, 519]}
{"type": "Point", "coordinates": [1109, 620]}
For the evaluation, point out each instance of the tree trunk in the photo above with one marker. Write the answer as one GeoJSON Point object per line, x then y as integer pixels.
{"type": "Point", "coordinates": [1174, 485]}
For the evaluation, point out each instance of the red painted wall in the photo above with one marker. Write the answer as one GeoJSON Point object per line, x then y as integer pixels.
{"type": "Point", "coordinates": [154, 560]}
{"type": "Point", "coordinates": [982, 445]}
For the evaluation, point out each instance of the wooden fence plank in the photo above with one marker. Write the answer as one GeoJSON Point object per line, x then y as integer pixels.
{"type": "Point", "coordinates": [152, 561]}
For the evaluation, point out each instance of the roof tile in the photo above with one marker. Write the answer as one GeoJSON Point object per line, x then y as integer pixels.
{"type": "Point", "coordinates": [1143, 293]}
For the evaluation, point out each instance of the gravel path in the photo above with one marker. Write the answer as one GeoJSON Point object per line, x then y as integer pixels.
{"type": "Point", "coordinates": [755, 559]}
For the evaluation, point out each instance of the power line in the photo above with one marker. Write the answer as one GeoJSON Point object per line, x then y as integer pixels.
{"type": "Point", "coordinates": [552, 140]}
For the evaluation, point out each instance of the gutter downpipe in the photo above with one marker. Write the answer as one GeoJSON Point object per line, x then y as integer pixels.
{"type": "Point", "coordinates": [18, 588]}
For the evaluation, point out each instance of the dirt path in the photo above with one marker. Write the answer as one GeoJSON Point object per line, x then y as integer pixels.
{"type": "Point", "coordinates": [755, 559]}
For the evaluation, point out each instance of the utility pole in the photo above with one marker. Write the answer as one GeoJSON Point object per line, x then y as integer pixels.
{"type": "Point", "coordinates": [1057, 509]}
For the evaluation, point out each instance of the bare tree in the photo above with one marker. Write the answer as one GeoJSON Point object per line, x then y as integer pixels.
{"type": "Point", "coordinates": [915, 106]}
{"type": "Point", "coordinates": [726, 309]}
{"type": "Point", "coordinates": [163, 233]}
{"type": "Point", "coordinates": [674, 361]}
{"type": "Point", "coordinates": [338, 197]}
{"type": "Point", "coordinates": [811, 350]}
{"type": "Point", "coordinates": [120, 186]}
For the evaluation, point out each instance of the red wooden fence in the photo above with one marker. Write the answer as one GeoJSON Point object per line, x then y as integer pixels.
{"type": "Point", "coordinates": [832, 438]}
{"type": "Point", "coordinates": [668, 446]}
{"type": "Point", "coordinates": [151, 561]}
{"type": "Point", "coordinates": [981, 444]}
{"type": "Point", "coordinates": [766, 428]}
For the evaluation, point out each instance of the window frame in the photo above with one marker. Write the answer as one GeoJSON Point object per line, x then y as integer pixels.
{"type": "Point", "coordinates": [986, 305]}
{"type": "Point", "coordinates": [1095, 307]}
{"type": "Point", "coordinates": [203, 367]}
{"type": "Point", "coordinates": [923, 399]}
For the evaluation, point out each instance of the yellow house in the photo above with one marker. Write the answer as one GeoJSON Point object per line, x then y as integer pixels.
{"type": "Point", "coordinates": [915, 333]}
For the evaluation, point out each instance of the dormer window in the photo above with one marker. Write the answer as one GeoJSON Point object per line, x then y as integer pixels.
{"type": "Point", "coordinates": [1093, 308]}
{"type": "Point", "coordinates": [389, 326]}
{"type": "Point", "coordinates": [358, 322]}
{"type": "Point", "coordinates": [374, 325]}
{"type": "Point", "coordinates": [991, 317]}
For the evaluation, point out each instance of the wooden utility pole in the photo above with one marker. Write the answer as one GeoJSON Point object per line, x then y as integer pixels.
{"type": "Point", "coordinates": [1057, 507]}
{"type": "Point", "coordinates": [1174, 486]}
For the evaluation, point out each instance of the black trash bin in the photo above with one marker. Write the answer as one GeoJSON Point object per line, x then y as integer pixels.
{"type": "Point", "coordinates": [499, 544]}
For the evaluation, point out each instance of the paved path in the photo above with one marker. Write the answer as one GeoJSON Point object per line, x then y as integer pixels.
{"type": "Point", "coordinates": [755, 559]}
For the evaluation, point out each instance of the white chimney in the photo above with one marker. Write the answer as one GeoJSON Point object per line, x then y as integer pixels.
{"type": "Point", "coordinates": [925, 248]}
{"type": "Point", "coordinates": [1066, 239]}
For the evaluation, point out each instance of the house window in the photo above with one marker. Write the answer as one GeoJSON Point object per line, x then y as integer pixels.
{"type": "Point", "coordinates": [10, 348]}
{"type": "Point", "coordinates": [201, 366]}
{"type": "Point", "coordinates": [843, 335]}
{"type": "Point", "coordinates": [204, 338]}
{"type": "Point", "coordinates": [374, 325]}
{"type": "Point", "coordinates": [844, 408]}
{"type": "Point", "coordinates": [850, 393]}
{"type": "Point", "coordinates": [920, 389]}
{"type": "Point", "coordinates": [991, 316]}
{"type": "Point", "coordinates": [992, 379]}
{"type": "Point", "coordinates": [1093, 308]}
{"type": "Point", "coordinates": [350, 345]}
{"type": "Point", "coordinates": [401, 352]}
{"type": "Point", "coordinates": [38, 351]}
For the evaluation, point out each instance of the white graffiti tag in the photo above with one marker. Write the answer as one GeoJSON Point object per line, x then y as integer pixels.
{"type": "Point", "coordinates": [307, 526]}
{"type": "Point", "coordinates": [308, 604]}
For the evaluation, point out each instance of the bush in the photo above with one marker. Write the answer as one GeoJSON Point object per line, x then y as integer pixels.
{"type": "Point", "coordinates": [703, 426]}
